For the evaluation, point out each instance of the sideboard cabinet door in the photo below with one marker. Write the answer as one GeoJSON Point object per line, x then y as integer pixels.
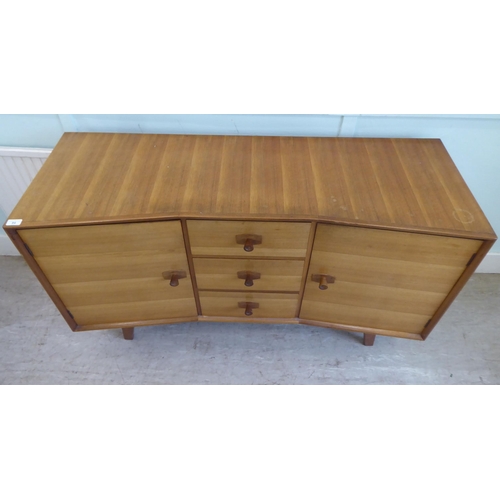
{"type": "Point", "coordinates": [388, 280]}
{"type": "Point", "coordinates": [116, 273]}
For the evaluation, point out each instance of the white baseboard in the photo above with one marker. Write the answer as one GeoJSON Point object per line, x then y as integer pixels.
{"type": "Point", "coordinates": [490, 264]}
{"type": "Point", "coordinates": [6, 246]}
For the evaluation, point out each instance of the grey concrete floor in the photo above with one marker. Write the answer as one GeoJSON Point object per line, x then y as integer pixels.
{"type": "Point", "coordinates": [37, 347]}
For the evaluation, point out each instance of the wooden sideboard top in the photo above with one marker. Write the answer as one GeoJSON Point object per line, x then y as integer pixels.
{"type": "Point", "coordinates": [408, 184]}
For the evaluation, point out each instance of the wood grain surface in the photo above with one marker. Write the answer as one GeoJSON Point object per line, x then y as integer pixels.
{"type": "Point", "coordinates": [218, 238]}
{"type": "Point", "coordinates": [390, 222]}
{"type": "Point", "coordinates": [113, 273]}
{"type": "Point", "coordinates": [275, 275]}
{"type": "Point", "coordinates": [383, 279]}
{"type": "Point", "coordinates": [271, 305]}
{"type": "Point", "coordinates": [401, 183]}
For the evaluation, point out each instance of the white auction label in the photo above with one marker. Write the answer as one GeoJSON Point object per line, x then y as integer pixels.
{"type": "Point", "coordinates": [14, 222]}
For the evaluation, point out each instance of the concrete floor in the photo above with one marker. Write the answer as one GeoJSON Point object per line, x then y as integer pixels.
{"type": "Point", "coordinates": [37, 347]}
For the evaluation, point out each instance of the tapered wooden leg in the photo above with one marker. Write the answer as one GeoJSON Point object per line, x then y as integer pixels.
{"type": "Point", "coordinates": [128, 333]}
{"type": "Point", "coordinates": [368, 339]}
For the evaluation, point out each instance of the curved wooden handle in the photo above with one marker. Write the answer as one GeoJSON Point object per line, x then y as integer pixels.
{"type": "Point", "coordinates": [323, 279]}
{"type": "Point", "coordinates": [249, 307]}
{"type": "Point", "coordinates": [248, 276]}
{"type": "Point", "coordinates": [248, 241]}
{"type": "Point", "coordinates": [174, 276]}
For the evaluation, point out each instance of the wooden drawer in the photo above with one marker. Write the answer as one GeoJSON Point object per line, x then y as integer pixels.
{"type": "Point", "coordinates": [231, 274]}
{"type": "Point", "coordinates": [231, 304]}
{"type": "Point", "coordinates": [225, 238]}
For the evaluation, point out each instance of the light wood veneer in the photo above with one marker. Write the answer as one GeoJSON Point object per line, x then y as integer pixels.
{"type": "Point", "coordinates": [370, 235]}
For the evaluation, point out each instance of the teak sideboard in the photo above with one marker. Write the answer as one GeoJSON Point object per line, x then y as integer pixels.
{"type": "Point", "coordinates": [368, 235]}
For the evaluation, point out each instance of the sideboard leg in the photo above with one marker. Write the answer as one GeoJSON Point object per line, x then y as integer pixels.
{"type": "Point", "coordinates": [128, 333]}
{"type": "Point", "coordinates": [368, 339]}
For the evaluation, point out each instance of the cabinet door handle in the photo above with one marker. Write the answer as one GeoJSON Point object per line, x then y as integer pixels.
{"type": "Point", "coordinates": [248, 241]}
{"type": "Point", "coordinates": [323, 279]}
{"type": "Point", "coordinates": [249, 307]}
{"type": "Point", "coordinates": [248, 276]}
{"type": "Point", "coordinates": [174, 276]}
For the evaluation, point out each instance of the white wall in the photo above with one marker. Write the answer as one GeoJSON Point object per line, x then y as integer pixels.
{"type": "Point", "coordinates": [31, 131]}
{"type": "Point", "coordinates": [473, 141]}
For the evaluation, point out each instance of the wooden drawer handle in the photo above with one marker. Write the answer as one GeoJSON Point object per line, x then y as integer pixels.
{"type": "Point", "coordinates": [248, 276]}
{"type": "Point", "coordinates": [174, 276]}
{"type": "Point", "coordinates": [323, 279]}
{"type": "Point", "coordinates": [248, 241]}
{"type": "Point", "coordinates": [249, 307]}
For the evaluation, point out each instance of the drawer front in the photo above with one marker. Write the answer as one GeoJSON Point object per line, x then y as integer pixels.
{"type": "Point", "coordinates": [248, 274]}
{"type": "Point", "coordinates": [113, 273]}
{"type": "Point", "coordinates": [262, 305]}
{"type": "Point", "coordinates": [261, 239]}
{"type": "Point", "coordinates": [383, 279]}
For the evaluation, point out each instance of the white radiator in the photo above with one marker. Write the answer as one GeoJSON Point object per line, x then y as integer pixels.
{"type": "Point", "coordinates": [18, 167]}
